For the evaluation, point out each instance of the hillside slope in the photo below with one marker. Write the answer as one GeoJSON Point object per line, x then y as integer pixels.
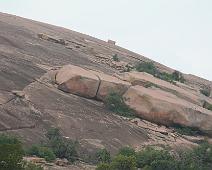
{"type": "Point", "coordinates": [30, 103]}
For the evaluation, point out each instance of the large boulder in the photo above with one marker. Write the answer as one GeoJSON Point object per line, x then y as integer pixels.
{"type": "Point", "coordinates": [76, 80]}
{"type": "Point", "coordinates": [110, 84]}
{"type": "Point", "coordinates": [182, 91]}
{"type": "Point", "coordinates": [165, 108]}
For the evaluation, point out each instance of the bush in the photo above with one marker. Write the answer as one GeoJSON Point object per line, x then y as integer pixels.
{"type": "Point", "coordinates": [103, 166]}
{"type": "Point", "coordinates": [103, 156]}
{"type": "Point", "coordinates": [11, 153]}
{"type": "Point", "coordinates": [127, 151]}
{"type": "Point", "coordinates": [124, 163]}
{"type": "Point", "coordinates": [149, 155]}
{"type": "Point", "coordinates": [42, 152]}
{"type": "Point", "coordinates": [177, 76]}
{"type": "Point", "coordinates": [147, 67]}
{"type": "Point", "coordinates": [165, 76]}
{"type": "Point", "coordinates": [115, 58]}
{"type": "Point", "coordinates": [206, 91]}
{"type": "Point", "coordinates": [187, 131]}
{"type": "Point", "coordinates": [150, 68]}
{"type": "Point", "coordinates": [199, 158]}
{"type": "Point", "coordinates": [115, 103]}
{"type": "Point", "coordinates": [62, 148]}
{"type": "Point", "coordinates": [207, 105]}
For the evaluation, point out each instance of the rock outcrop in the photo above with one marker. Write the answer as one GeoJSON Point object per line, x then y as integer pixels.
{"type": "Point", "coordinates": [151, 98]}
{"type": "Point", "coordinates": [147, 80]}
{"type": "Point", "coordinates": [52, 39]}
{"type": "Point", "coordinates": [110, 84]}
{"type": "Point", "coordinates": [89, 83]}
{"type": "Point", "coordinates": [167, 109]}
{"type": "Point", "coordinates": [76, 80]}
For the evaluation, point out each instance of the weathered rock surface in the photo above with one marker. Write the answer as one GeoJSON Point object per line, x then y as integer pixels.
{"type": "Point", "coordinates": [110, 84]}
{"type": "Point", "coordinates": [165, 108]}
{"type": "Point", "coordinates": [24, 60]}
{"type": "Point", "coordinates": [147, 80]}
{"type": "Point", "coordinates": [52, 39]}
{"type": "Point", "coordinates": [77, 80]}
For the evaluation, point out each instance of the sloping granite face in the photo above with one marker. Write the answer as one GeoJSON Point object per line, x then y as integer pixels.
{"type": "Point", "coordinates": [25, 59]}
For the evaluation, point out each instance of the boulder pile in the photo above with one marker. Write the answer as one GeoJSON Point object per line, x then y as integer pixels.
{"type": "Point", "coordinates": [151, 98]}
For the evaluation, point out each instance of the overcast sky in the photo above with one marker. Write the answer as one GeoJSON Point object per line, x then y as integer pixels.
{"type": "Point", "coordinates": [177, 33]}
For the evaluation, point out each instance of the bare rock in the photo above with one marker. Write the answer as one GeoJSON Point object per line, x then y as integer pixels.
{"type": "Point", "coordinates": [52, 39]}
{"type": "Point", "coordinates": [61, 162]}
{"type": "Point", "coordinates": [35, 160]}
{"type": "Point", "coordinates": [110, 84]}
{"type": "Point", "coordinates": [76, 80]}
{"type": "Point", "coordinates": [162, 107]}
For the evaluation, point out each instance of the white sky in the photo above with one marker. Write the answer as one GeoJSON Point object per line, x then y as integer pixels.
{"type": "Point", "coordinates": [177, 33]}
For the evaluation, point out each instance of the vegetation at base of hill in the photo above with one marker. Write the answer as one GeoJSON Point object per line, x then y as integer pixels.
{"type": "Point", "coordinates": [42, 152]}
{"type": "Point", "coordinates": [116, 58]}
{"type": "Point", "coordinates": [206, 91]}
{"type": "Point", "coordinates": [115, 103]}
{"type": "Point", "coordinates": [11, 155]}
{"type": "Point", "coordinates": [150, 68]}
{"type": "Point", "coordinates": [153, 159]}
{"type": "Point", "coordinates": [62, 147]}
{"type": "Point", "coordinates": [56, 146]}
{"type": "Point", "coordinates": [103, 156]}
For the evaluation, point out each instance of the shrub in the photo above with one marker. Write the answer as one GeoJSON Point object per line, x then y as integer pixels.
{"type": "Point", "coordinates": [62, 148]}
{"type": "Point", "coordinates": [115, 58]}
{"type": "Point", "coordinates": [121, 162]}
{"type": "Point", "coordinates": [206, 91]}
{"type": "Point", "coordinates": [147, 67]}
{"type": "Point", "coordinates": [149, 155]}
{"type": "Point", "coordinates": [165, 76]}
{"type": "Point", "coordinates": [199, 158]}
{"type": "Point", "coordinates": [103, 156]}
{"type": "Point", "coordinates": [150, 68]}
{"type": "Point", "coordinates": [207, 105]}
{"type": "Point", "coordinates": [187, 130]}
{"type": "Point", "coordinates": [103, 166]}
{"type": "Point", "coordinates": [115, 103]}
{"type": "Point", "coordinates": [42, 152]}
{"type": "Point", "coordinates": [127, 151]}
{"type": "Point", "coordinates": [11, 153]}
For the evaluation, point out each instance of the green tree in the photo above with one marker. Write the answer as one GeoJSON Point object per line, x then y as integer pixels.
{"type": "Point", "coordinates": [198, 158]}
{"type": "Point", "coordinates": [121, 162]}
{"type": "Point", "coordinates": [62, 148]}
{"type": "Point", "coordinates": [11, 153]}
{"type": "Point", "coordinates": [104, 166]}
{"type": "Point", "coordinates": [127, 151]}
{"type": "Point", "coordinates": [149, 155]}
{"type": "Point", "coordinates": [103, 156]}
{"type": "Point", "coordinates": [42, 152]}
